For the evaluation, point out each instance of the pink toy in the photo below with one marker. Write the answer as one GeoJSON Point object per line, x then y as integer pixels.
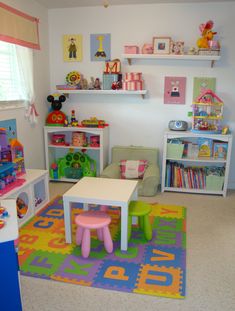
{"type": "Point", "coordinates": [58, 139]}
{"type": "Point", "coordinates": [95, 141]}
{"type": "Point", "coordinates": [147, 48]}
{"type": "Point", "coordinates": [93, 220]}
{"type": "Point", "coordinates": [131, 49]}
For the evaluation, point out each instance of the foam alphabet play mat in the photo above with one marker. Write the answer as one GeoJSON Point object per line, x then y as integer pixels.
{"type": "Point", "coordinates": [156, 267]}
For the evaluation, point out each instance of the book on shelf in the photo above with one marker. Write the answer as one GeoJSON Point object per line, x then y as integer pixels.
{"type": "Point", "coordinates": [205, 147]}
{"type": "Point", "coordinates": [220, 150]}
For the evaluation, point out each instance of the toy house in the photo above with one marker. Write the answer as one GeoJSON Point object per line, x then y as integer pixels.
{"type": "Point", "coordinates": [207, 113]}
{"type": "Point", "coordinates": [11, 160]}
{"type": "Point", "coordinates": [17, 156]}
{"type": "Point", "coordinates": [5, 150]}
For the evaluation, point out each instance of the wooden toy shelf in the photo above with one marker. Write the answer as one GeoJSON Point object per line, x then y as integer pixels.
{"type": "Point", "coordinates": [176, 164]}
{"type": "Point", "coordinates": [211, 58]}
{"type": "Point", "coordinates": [104, 92]}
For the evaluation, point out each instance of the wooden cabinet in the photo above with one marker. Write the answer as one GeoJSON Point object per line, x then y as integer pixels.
{"type": "Point", "coordinates": [64, 159]}
{"type": "Point", "coordinates": [191, 162]}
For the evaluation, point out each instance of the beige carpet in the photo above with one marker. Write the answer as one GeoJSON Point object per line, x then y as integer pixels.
{"type": "Point", "coordinates": [210, 266]}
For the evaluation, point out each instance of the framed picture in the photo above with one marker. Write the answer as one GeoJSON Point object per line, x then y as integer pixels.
{"type": "Point", "coordinates": [100, 47]}
{"type": "Point", "coordinates": [177, 48]}
{"type": "Point", "coordinates": [72, 48]}
{"type": "Point", "coordinates": [174, 90]}
{"type": "Point", "coordinates": [200, 84]}
{"type": "Point", "coordinates": [220, 150]}
{"type": "Point", "coordinates": [161, 45]}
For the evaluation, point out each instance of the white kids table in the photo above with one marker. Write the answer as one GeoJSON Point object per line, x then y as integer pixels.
{"type": "Point", "coordinates": [101, 191]}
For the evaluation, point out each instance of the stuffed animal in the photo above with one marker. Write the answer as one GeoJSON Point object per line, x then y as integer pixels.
{"type": "Point", "coordinates": [207, 35]}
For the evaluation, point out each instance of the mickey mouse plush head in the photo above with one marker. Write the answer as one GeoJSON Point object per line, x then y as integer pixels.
{"type": "Point", "coordinates": [56, 117]}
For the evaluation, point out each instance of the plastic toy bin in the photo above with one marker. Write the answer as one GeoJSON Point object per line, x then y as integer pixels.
{"type": "Point", "coordinates": [214, 183]}
{"type": "Point", "coordinates": [175, 150]}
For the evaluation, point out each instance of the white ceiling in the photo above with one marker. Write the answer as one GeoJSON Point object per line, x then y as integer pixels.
{"type": "Point", "coordinates": [54, 4]}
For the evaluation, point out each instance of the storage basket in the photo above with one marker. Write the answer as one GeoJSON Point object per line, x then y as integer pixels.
{"type": "Point", "coordinates": [214, 183]}
{"type": "Point", "coordinates": [74, 173]}
{"type": "Point", "coordinates": [175, 150]}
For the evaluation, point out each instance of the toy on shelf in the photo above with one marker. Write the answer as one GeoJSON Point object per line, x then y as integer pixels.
{"type": "Point", "coordinates": [147, 48]}
{"type": "Point", "coordinates": [95, 141]}
{"type": "Point", "coordinates": [73, 78]}
{"type": "Point", "coordinates": [74, 166]}
{"type": "Point", "coordinates": [93, 122]}
{"type": "Point", "coordinates": [97, 84]}
{"type": "Point", "coordinates": [79, 139]}
{"type": "Point", "coordinates": [73, 120]}
{"type": "Point", "coordinates": [133, 81]}
{"type": "Point", "coordinates": [17, 156]}
{"type": "Point", "coordinates": [11, 162]}
{"type": "Point", "coordinates": [207, 113]}
{"type": "Point", "coordinates": [58, 139]}
{"type": "Point", "coordinates": [22, 207]}
{"type": "Point", "coordinates": [54, 171]}
{"type": "Point", "coordinates": [206, 44]}
{"type": "Point", "coordinates": [56, 117]}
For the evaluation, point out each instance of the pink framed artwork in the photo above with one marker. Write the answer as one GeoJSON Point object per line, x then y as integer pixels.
{"type": "Point", "coordinates": [174, 90]}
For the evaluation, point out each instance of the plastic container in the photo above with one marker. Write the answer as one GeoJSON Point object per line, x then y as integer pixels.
{"type": "Point", "coordinates": [175, 150]}
{"type": "Point", "coordinates": [214, 183]}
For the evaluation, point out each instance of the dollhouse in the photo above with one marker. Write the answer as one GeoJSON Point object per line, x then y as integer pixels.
{"type": "Point", "coordinates": [207, 113]}
{"type": "Point", "coordinates": [11, 159]}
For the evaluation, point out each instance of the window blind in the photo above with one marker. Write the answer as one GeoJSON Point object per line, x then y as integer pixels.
{"type": "Point", "coordinates": [18, 28]}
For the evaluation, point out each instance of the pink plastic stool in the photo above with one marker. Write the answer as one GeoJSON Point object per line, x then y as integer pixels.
{"type": "Point", "coordinates": [93, 220]}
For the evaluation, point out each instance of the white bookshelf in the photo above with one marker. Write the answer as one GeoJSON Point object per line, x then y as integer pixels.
{"type": "Point", "coordinates": [196, 161]}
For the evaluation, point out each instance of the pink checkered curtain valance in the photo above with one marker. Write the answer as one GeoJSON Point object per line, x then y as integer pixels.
{"type": "Point", "coordinates": [18, 28]}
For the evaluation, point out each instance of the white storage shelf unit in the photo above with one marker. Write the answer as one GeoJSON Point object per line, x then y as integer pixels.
{"type": "Point", "coordinates": [54, 152]}
{"type": "Point", "coordinates": [32, 195]}
{"type": "Point", "coordinates": [178, 159]}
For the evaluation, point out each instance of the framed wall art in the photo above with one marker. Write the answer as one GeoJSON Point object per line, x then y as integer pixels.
{"type": "Point", "coordinates": [201, 84]}
{"type": "Point", "coordinates": [174, 90]}
{"type": "Point", "coordinates": [72, 48]}
{"type": "Point", "coordinates": [161, 45]}
{"type": "Point", "coordinates": [177, 48]}
{"type": "Point", "coordinates": [100, 47]}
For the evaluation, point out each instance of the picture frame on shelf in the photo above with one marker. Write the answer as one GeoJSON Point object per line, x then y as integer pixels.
{"type": "Point", "coordinates": [177, 48]}
{"type": "Point", "coordinates": [161, 45]}
{"type": "Point", "coordinates": [220, 150]}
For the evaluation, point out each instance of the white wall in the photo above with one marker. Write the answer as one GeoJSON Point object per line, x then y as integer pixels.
{"type": "Point", "coordinates": [134, 120]}
{"type": "Point", "coordinates": [32, 136]}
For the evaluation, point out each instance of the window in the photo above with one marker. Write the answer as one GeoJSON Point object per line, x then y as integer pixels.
{"type": "Point", "coordinates": [11, 83]}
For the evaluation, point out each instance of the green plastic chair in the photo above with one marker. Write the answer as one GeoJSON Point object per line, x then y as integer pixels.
{"type": "Point", "coordinates": [141, 210]}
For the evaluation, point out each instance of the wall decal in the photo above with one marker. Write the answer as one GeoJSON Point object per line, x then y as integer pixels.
{"type": "Point", "coordinates": [72, 48]}
{"type": "Point", "coordinates": [174, 90]}
{"type": "Point", "coordinates": [100, 47]}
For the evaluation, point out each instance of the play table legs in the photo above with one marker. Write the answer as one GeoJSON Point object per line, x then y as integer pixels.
{"type": "Point", "coordinates": [124, 222]}
{"type": "Point", "coordinates": [67, 220]}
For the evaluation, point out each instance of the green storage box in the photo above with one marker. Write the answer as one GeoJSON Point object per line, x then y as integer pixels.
{"type": "Point", "coordinates": [175, 150]}
{"type": "Point", "coordinates": [214, 183]}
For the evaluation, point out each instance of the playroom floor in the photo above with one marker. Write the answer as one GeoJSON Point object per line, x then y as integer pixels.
{"type": "Point", "coordinates": [210, 266]}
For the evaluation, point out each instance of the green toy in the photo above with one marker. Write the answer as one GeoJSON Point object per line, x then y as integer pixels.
{"type": "Point", "coordinates": [74, 166]}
